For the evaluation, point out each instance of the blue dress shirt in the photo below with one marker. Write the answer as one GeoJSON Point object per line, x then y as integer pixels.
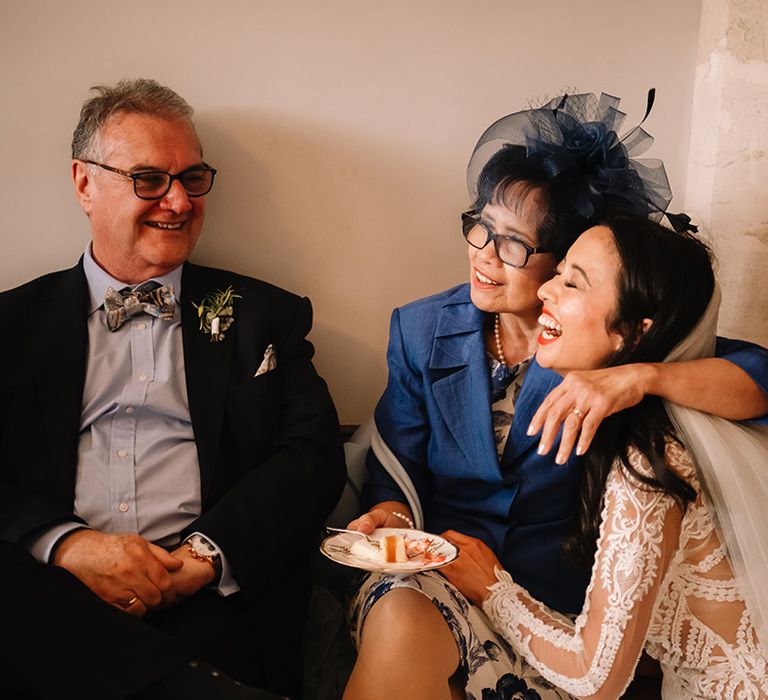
{"type": "Point", "coordinates": [137, 465]}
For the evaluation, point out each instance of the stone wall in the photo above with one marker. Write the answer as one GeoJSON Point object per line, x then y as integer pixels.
{"type": "Point", "coordinates": [727, 182]}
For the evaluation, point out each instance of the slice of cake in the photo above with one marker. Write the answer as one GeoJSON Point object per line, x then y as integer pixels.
{"type": "Point", "coordinates": [394, 549]}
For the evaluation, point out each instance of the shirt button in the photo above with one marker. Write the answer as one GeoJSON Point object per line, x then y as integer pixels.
{"type": "Point", "coordinates": [129, 409]}
{"type": "Point", "coordinates": [142, 377]}
{"type": "Point", "coordinates": [122, 507]}
{"type": "Point", "coordinates": [142, 326]}
{"type": "Point", "coordinates": [121, 453]}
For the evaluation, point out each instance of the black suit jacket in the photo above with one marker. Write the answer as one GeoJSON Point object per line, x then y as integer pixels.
{"type": "Point", "coordinates": [271, 463]}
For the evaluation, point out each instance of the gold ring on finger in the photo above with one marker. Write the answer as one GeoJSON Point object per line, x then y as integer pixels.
{"type": "Point", "coordinates": [577, 412]}
{"type": "Point", "coordinates": [131, 601]}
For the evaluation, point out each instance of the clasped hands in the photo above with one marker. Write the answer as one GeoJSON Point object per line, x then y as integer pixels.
{"type": "Point", "coordinates": [130, 572]}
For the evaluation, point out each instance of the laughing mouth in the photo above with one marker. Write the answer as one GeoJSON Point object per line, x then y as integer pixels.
{"type": "Point", "coordinates": [485, 280]}
{"type": "Point", "coordinates": [165, 226]}
{"type": "Point", "coordinates": [552, 328]}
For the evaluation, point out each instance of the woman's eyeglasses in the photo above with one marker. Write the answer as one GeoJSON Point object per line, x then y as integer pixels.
{"type": "Point", "coordinates": [511, 251]}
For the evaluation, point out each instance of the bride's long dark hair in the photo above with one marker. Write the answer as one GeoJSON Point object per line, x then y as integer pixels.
{"type": "Point", "coordinates": [667, 277]}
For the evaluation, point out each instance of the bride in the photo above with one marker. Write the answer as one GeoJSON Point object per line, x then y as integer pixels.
{"type": "Point", "coordinates": [671, 498]}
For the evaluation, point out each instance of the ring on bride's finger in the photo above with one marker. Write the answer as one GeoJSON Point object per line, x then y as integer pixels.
{"type": "Point", "coordinates": [576, 412]}
{"type": "Point", "coordinates": [131, 602]}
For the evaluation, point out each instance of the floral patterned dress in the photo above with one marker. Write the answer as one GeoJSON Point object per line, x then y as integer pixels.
{"type": "Point", "coordinates": [492, 668]}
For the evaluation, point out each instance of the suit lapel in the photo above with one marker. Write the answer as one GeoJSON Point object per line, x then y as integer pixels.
{"type": "Point", "coordinates": [207, 368]}
{"type": "Point", "coordinates": [462, 391]}
{"type": "Point", "coordinates": [537, 384]}
{"type": "Point", "coordinates": [60, 338]}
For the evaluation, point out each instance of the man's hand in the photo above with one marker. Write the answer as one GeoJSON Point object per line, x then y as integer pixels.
{"type": "Point", "coordinates": [597, 394]}
{"type": "Point", "coordinates": [120, 569]}
{"type": "Point", "coordinates": [192, 575]}
{"type": "Point", "coordinates": [473, 571]}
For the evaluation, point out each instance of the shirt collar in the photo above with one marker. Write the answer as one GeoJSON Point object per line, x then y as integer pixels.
{"type": "Point", "coordinates": [99, 280]}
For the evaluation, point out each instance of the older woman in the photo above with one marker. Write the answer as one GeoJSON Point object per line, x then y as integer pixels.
{"type": "Point", "coordinates": [663, 577]}
{"type": "Point", "coordinates": [463, 388]}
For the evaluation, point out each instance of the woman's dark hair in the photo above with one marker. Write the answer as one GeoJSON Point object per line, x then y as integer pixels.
{"type": "Point", "coordinates": [512, 174]}
{"type": "Point", "coordinates": [667, 277]}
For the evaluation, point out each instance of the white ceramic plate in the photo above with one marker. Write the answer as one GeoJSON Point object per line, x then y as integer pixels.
{"type": "Point", "coordinates": [441, 552]}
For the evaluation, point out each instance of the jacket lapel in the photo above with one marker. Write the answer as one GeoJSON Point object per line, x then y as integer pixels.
{"type": "Point", "coordinates": [462, 391]}
{"type": "Point", "coordinates": [207, 368]}
{"type": "Point", "coordinates": [537, 384]}
{"type": "Point", "coordinates": [60, 342]}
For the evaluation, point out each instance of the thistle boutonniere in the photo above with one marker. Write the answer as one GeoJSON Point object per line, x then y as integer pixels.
{"type": "Point", "coordinates": [216, 312]}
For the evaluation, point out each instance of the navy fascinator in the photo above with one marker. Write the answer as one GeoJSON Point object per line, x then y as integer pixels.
{"type": "Point", "coordinates": [574, 139]}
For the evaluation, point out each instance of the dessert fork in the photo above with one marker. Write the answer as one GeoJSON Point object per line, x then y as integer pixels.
{"type": "Point", "coordinates": [375, 543]}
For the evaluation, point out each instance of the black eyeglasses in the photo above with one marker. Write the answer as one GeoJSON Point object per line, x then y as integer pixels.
{"type": "Point", "coordinates": [155, 184]}
{"type": "Point", "coordinates": [511, 251]}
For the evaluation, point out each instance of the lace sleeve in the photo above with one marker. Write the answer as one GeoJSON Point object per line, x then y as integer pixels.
{"type": "Point", "coordinates": [596, 655]}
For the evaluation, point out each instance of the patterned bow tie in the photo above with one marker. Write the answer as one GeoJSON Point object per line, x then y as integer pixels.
{"type": "Point", "coordinates": [149, 298]}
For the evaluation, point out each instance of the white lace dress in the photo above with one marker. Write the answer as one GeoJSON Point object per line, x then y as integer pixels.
{"type": "Point", "coordinates": [661, 580]}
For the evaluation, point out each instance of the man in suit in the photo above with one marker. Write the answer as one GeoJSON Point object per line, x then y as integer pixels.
{"type": "Point", "coordinates": [167, 449]}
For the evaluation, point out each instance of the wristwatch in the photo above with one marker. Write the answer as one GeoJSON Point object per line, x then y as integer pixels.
{"type": "Point", "coordinates": [201, 548]}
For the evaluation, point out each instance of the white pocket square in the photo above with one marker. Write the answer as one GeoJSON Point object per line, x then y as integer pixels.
{"type": "Point", "coordinates": [269, 362]}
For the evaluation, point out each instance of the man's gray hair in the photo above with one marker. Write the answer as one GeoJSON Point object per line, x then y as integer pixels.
{"type": "Point", "coordinates": [141, 96]}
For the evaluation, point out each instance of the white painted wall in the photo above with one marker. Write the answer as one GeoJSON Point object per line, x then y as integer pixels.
{"type": "Point", "coordinates": [341, 130]}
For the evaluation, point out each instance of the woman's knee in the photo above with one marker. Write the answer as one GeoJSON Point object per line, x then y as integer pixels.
{"type": "Point", "coordinates": [404, 618]}
{"type": "Point", "coordinates": [403, 608]}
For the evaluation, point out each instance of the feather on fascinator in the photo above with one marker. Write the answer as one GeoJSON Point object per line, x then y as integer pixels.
{"type": "Point", "coordinates": [590, 168]}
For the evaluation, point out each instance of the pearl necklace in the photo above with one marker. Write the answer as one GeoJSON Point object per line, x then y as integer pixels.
{"type": "Point", "coordinates": [497, 337]}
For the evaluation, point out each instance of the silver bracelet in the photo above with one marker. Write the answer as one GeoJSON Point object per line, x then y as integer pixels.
{"type": "Point", "coordinates": [405, 518]}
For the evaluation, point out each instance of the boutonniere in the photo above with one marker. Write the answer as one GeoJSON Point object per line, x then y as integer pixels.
{"type": "Point", "coordinates": [216, 312]}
